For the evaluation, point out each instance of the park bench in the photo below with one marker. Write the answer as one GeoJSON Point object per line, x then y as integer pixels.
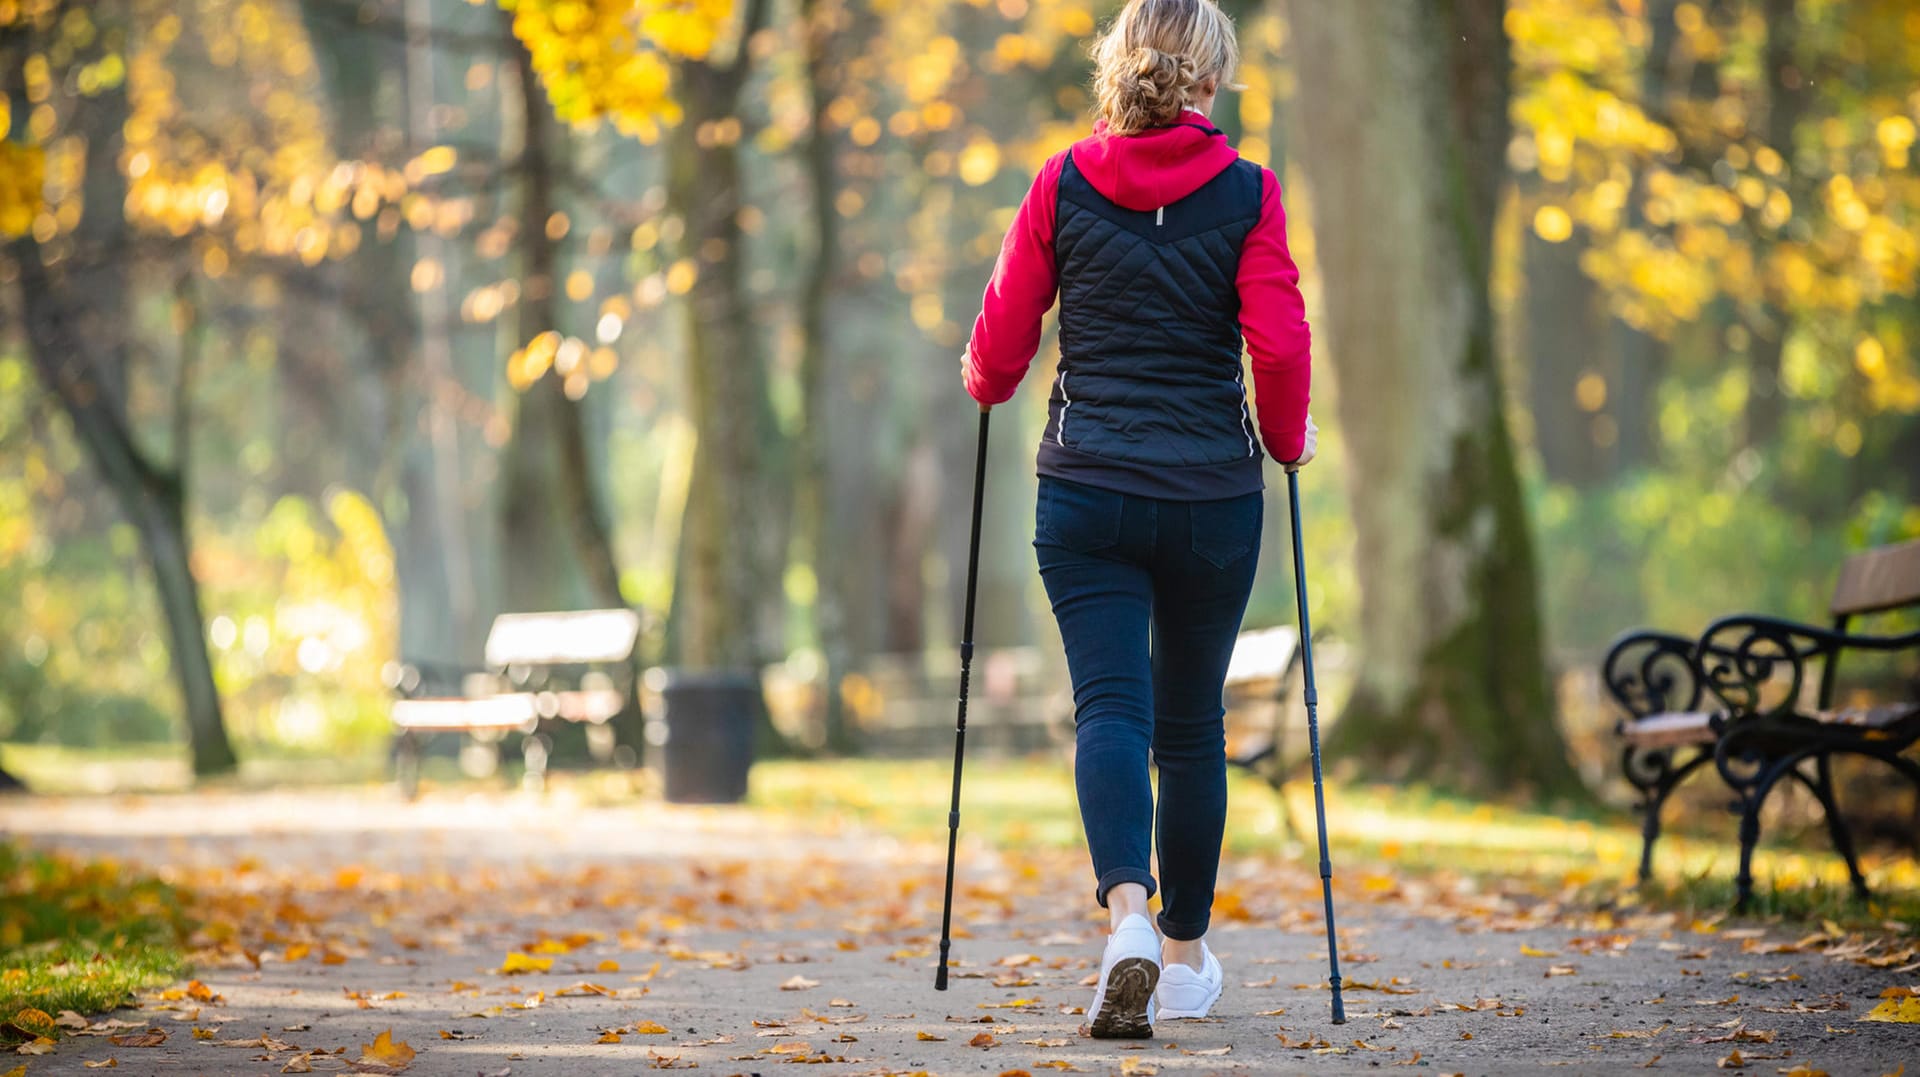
{"type": "Point", "coordinates": [1756, 697]}
{"type": "Point", "coordinates": [1256, 698]}
{"type": "Point", "coordinates": [541, 668]}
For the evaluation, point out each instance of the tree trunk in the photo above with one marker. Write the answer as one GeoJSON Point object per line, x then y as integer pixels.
{"type": "Point", "coordinates": [75, 308]}
{"type": "Point", "coordinates": [152, 499]}
{"type": "Point", "coordinates": [821, 25]}
{"type": "Point", "coordinates": [558, 542]}
{"type": "Point", "coordinates": [729, 599]}
{"type": "Point", "coordinates": [1565, 336]}
{"type": "Point", "coordinates": [1405, 106]}
{"type": "Point", "coordinates": [1788, 90]}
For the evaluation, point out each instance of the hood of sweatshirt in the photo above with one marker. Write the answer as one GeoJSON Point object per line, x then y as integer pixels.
{"type": "Point", "coordinates": [1156, 167]}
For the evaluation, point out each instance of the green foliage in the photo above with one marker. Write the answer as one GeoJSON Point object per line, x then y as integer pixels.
{"type": "Point", "coordinates": [82, 936]}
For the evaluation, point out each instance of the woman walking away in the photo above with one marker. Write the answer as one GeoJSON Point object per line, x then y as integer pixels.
{"type": "Point", "coordinates": [1164, 247]}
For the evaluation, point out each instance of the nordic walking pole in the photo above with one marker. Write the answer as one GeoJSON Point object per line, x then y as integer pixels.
{"type": "Point", "coordinates": [966, 668]}
{"type": "Point", "coordinates": [1313, 739]}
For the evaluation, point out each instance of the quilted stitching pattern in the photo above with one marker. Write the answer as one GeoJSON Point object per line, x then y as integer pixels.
{"type": "Point", "coordinates": [1149, 322]}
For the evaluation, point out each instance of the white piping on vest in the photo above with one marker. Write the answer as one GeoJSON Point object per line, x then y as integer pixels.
{"type": "Point", "coordinates": [1246, 419]}
{"type": "Point", "coordinates": [1060, 431]}
{"type": "Point", "coordinates": [1160, 216]}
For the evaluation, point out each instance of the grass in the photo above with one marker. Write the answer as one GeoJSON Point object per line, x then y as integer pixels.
{"type": "Point", "coordinates": [81, 936]}
{"type": "Point", "coordinates": [165, 768]}
{"type": "Point", "coordinates": [1375, 831]}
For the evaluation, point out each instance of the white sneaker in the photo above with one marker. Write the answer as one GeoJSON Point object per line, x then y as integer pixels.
{"type": "Point", "coordinates": [1123, 1005]}
{"type": "Point", "coordinates": [1183, 992]}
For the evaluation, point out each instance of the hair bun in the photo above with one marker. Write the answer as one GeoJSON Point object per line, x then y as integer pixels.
{"type": "Point", "coordinates": [1153, 59]}
{"type": "Point", "coordinates": [1158, 88]}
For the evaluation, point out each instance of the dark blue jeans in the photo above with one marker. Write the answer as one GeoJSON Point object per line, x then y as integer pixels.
{"type": "Point", "coordinates": [1149, 595]}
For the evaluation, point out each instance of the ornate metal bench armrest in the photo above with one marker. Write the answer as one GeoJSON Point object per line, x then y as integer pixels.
{"type": "Point", "coordinates": [1650, 672]}
{"type": "Point", "coordinates": [1743, 655]}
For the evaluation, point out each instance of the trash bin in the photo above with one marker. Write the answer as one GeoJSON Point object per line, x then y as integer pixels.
{"type": "Point", "coordinates": [705, 733]}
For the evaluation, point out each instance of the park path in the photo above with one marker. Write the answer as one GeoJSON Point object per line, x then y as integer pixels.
{"type": "Point", "coordinates": [732, 941]}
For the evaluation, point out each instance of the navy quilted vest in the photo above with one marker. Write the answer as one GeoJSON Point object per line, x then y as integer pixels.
{"type": "Point", "coordinates": [1150, 398]}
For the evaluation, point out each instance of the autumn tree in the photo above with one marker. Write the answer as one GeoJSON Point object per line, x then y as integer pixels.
{"type": "Point", "coordinates": [72, 257]}
{"type": "Point", "coordinates": [1404, 108]}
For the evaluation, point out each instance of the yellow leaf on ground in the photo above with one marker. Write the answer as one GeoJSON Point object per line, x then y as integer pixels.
{"type": "Point", "coordinates": [383, 1051]}
{"type": "Point", "coordinates": [984, 1039]}
{"type": "Point", "coordinates": [609, 1036]}
{"type": "Point", "coordinates": [296, 952]}
{"type": "Point", "coordinates": [32, 1020]}
{"type": "Point", "coordinates": [103, 1064]}
{"type": "Point", "coordinates": [608, 965]}
{"type": "Point", "coordinates": [927, 1036]}
{"type": "Point", "coordinates": [650, 1028]}
{"type": "Point", "coordinates": [1528, 951]}
{"type": "Point", "coordinates": [300, 1063]}
{"type": "Point", "coordinates": [39, 1045]}
{"type": "Point", "coordinates": [1900, 1011]}
{"type": "Point", "coordinates": [799, 983]}
{"type": "Point", "coordinates": [585, 988]}
{"type": "Point", "coordinates": [17, 1071]}
{"type": "Point", "coordinates": [517, 962]}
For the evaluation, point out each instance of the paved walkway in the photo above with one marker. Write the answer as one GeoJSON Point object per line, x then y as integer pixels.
{"type": "Point", "coordinates": [679, 937]}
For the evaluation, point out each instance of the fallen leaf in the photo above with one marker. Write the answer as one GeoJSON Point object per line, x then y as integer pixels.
{"type": "Point", "coordinates": [1414, 1061]}
{"type": "Point", "coordinates": [1528, 951]}
{"type": "Point", "coordinates": [1560, 970]}
{"type": "Point", "coordinates": [609, 1036]}
{"type": "Point", "coordinates": [103, 1064]}
{"type": "Point", "coordinates": [798, 983]}
{"type": "Point", "coordinates": [927, 1036]}
{"type": "Point", "coordinates": [69, 1019]}
{"type": "Point", "coordinates": [585, 988]}
{"type": "Point", "coordinates": [608, 965]}
{"type": "Point", "coordinates": [649, 1028]}
{"type": "Point", "coordinates": [39, 1045]}
{"type": "Point", "coordinates": [1046, 1043]}
{"type": "Point", "coordinates": [383, 1051]}
{"type": "Point", "coordinates": [984, 1039]}
{"type": "Point", "coordinates": [1626, 1034]}
{"type": "Point", "coordinates": [1733, 1061]}
{"type": "Point", "coordinates": [1901, 1011]}
{"type": "Point", "coordinates": [152, 1037]}
{"type": "Point", "coordinates": [517, 962]}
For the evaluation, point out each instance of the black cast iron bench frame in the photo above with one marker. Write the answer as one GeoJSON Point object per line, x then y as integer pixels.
{"type": "Point", "coordinates": [1735, 698]}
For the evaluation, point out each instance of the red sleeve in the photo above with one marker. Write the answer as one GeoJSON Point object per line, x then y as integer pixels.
{"type": "Point", "coordinates": [1274, 318]}
{"type": "Point", "coordinates": [1007, 332]}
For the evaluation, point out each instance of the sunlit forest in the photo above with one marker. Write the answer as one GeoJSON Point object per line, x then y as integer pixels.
{"type": "Point", "coordinates": [331, 329]}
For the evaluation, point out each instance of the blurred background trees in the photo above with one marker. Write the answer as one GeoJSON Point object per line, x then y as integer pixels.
{"type": "Point", "coordinates": [333, 328]}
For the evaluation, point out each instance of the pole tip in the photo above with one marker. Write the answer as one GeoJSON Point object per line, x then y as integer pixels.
{"type": "Point", "coordinates": [1339, 1011]}
{"type": "Point", "coordinates": [940, 977]}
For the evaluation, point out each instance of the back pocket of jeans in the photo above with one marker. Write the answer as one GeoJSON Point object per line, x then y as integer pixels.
{"type": "Point", "coordinates": [1079, 518]}
{"type": "Point", "coordinates": [1227, 530]}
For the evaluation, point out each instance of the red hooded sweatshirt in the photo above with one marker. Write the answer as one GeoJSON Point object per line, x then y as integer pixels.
{"type": "Point", "coordinates": [1144, 172]}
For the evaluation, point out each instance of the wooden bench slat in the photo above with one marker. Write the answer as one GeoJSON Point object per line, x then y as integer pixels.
{"type": "Point", "coordinates": [1878, 579]}
{"type": "Point", "coordinates": [492, 712]}
{"type": "Point", "coordinates": [585, 637]}
{"type": "Point", "coordinates": [1873, 716]}
{"type": "Point", "coordinates": [1266, 653]}
{"type": "Point", "coordinates": [1671, 729]}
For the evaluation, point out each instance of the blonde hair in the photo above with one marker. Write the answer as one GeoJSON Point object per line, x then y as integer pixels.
{"type": "Point", "coordinates": [1154, 58]}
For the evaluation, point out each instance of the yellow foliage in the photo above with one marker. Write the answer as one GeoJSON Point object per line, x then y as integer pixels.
{"type": "Point", "coordinates": [609, 59]}
{"type": "Point", "coordinates": [22, 171]}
